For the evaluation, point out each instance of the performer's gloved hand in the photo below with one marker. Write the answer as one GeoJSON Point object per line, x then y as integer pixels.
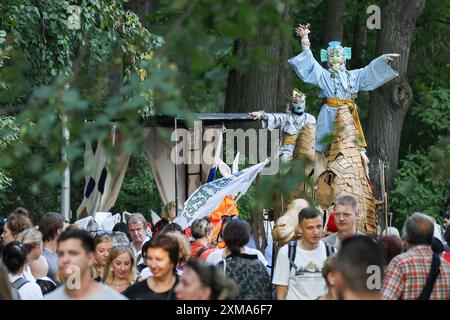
{"type": "Point", "coordinates": [391, 56]}
{"type": "Point", "coordinates": [258, 115]}
{"type": "Point", "coordinates": [302, 31]}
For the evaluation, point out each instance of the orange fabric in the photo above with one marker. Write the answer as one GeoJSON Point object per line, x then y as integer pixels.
{"type": "Point", "coordinates": [221, 245]}
{"type": "Point", "coordinates": [196, 246]}
{"type": "Point", "coordinates": [216, 215]}
{"type": "Point", "coordinates": [350, 104]}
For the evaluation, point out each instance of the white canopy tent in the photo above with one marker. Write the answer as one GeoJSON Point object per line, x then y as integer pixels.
{"type": "Point", "coordinates": [105, 173]}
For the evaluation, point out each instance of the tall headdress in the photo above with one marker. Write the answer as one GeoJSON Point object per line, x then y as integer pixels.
{"type": "Point", "coordinates": [335, 50]}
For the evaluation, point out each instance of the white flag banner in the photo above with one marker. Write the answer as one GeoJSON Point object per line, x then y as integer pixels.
{"type": "Point", "coordinates": [207, 198]}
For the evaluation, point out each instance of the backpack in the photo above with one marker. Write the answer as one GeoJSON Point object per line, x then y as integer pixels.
{"type": "Point", "coordinates": [16, 285]}
{"type": "Point", "coordinates": [292, 250]}
{"type": "Point", "coordinates": [46, 286]}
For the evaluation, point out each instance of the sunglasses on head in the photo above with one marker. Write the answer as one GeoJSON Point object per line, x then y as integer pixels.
{"type": "Point", "coordinates": [102, 233]}
{"type": "Point", "coordinates": [122, 245]}
{"type": "Point", "coordinates": [230, 218]}
{"type": "Point", "coordinates": [225, 220]}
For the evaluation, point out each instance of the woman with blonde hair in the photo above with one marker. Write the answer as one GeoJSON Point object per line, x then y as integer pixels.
{"type": "Point", "coordinates": [120, 270]}
{"type": "Point", "coordinates": [32, 240]}
{"type": "Point", "coordinates": [103, 245]}
{"type": "Point", "coordinates": [36, 266]}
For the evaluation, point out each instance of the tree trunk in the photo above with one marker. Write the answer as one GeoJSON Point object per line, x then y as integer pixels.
{"type": "Point", "coordinates": [334, 26]}
{"type": "Point", "coordinates": [389, 104]}
{"type": "Point", "coordinates": [262, 86]}
{"type": "Point", "coordinates": [359, 36]}
{"type": "Point", "coordinates": [266, 85]}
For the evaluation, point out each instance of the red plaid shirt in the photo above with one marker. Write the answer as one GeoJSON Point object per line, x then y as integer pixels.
{"type": "Point", "coordinates": [407, 273]}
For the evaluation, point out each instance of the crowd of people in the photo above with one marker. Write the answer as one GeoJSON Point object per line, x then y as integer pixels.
{"type": "Point", "coordinates": [55, 260]}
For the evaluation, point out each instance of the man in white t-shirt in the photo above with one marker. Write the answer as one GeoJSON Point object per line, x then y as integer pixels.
{"type": "Point", "coordinates": [300, 277]}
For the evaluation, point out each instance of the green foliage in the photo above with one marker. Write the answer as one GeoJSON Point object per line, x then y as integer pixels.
{"type": "Point", "coordinates": [115, 69]}
{"type": "Point", "coordinates": [102, 72]}
{"type": "Point", "coordinates": [139, 192]}
{"type": "Point", "coordinates": [434, 111]}
{"type": "Point", "coordinates": [9, 133]}
{"type": "Point", "coordinates": [4, 48]}
{"type": "Point", "coordinates": [200, 37]}
{"type": "Point", "coordinates": [422, 184]}
{"type": "Point", "coordinates": [422, 181]}
{"type": "Point", "coordinates": [428, 71]}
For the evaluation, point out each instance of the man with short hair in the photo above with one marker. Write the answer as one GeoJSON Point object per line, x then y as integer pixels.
{"type": "Point", "coordinates": [76, 258]}
{"type": "Point", "coordinates": [51, 226]}
{"type": "Point", "coordinates": [137, 227]}
{"type": "Point", "coordinates": [408, 272]}
{"type": "Point", "coordinates": [446, 218]}
{"type": "Point", "coordinates": [298, 268]}
{"type": "Point", "coordinates": [359, 274]}
{"type": "Point", "coordinates": [345, 216]}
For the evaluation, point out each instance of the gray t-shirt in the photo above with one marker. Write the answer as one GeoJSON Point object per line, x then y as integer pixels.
{"type": "Point", "coordinates": [105, 293]}
{"type": "Point", "coordinates": [52, 260]}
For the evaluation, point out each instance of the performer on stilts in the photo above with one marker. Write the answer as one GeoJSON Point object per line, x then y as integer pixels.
{"type": "Point", "coordinates": [293, 124]}
{"type": "Point", "coordinates": [339, 88]}
{"type": "Point", "coordinates": [298, 130]}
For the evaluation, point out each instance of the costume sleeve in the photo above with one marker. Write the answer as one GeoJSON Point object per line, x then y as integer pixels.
{"type": "Point", "coordinates": [308, 69]}
{"type": "Point", "coordinates": [374, 75]}
{"type": "Point", "coordinates": [274, 121]}
{"type": "Point", "coordinates": [393, 284]}
{"type": "Point", "coordinates": [281, 272]}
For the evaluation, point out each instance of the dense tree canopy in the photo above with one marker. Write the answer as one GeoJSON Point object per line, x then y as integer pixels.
{"type": "Point", "coordinates": [131, 60]}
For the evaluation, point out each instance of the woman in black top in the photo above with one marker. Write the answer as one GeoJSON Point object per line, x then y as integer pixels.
{"type": "Point", "coordinates": [246, 270]}
{"type": "Point", "coordinates": [161, 256]}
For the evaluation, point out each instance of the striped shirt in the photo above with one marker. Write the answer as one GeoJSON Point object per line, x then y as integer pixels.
{"type": "Point", "coordinates": [407, 273]}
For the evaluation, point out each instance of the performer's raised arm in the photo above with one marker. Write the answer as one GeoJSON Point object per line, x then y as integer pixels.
{"type": "Point", "coordinates": [270, 121]}
{"type": "Point", "coordinates": [302, 31]}
{"type": "Point", "coordinates": [376, 73]}
{"type": "Point", "coordinates": [290, 123]}
{"type": "Point", "coordinates": [304, 64]}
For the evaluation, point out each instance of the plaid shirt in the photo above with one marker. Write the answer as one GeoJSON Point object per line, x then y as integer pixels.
{"type": "Point", "coordinates": [407, 273]}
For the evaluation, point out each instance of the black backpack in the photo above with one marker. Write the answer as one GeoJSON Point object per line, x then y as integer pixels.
{"type": "Point", "coordinates": [292, 250]}
{"type": "Point", "coordinates": [46, 286]}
